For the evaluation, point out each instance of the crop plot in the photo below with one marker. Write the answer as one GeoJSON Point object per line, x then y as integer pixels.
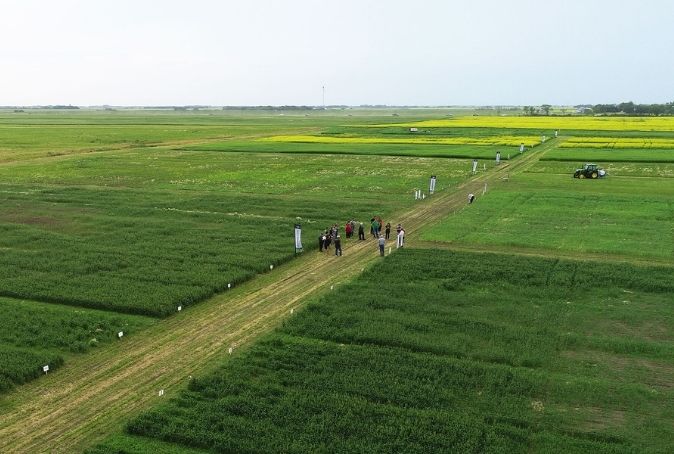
{"type": "Point", "coordinates": [541, 211]}
{"type": "Point", "coordinates": [528, 141]}
{"type": "Point", "coordinates": [443, 351]}
{"type": "Point", "coordinates": [33, 335]}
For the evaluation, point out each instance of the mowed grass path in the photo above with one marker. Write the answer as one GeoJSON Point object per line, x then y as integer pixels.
{"type": "Point", "coordinates": [97, 393]}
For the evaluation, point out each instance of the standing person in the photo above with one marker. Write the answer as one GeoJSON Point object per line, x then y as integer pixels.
{"type": "Point", "coordinates": [375, 228]}
{"type": "Point", "coordinates": [328, 240]}
{"type": "Point", "coordinates": [388, 230]}
{"type": "Point", "coordinates": [401, 239]}
{"type": "Point", "coordinates": [338, 246]}
{"type": "Point", "coordinates": [361, 232]}
{"type": "Point", "coordinates": [348, 229]}
{"type": "Point", "coordinates": [382, 243]}
{"type": "Point", "coordinates": [399, 227]}
{"type": "Point", "coordinates": [321, 242]}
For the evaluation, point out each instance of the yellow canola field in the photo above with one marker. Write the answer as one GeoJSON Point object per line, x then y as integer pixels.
{"type": "Point", "coordinates": [528, 141]}
{"type": "Point", "coordinates": [550, 123]}
{"type": "Point", "coordinates": [619, 142]}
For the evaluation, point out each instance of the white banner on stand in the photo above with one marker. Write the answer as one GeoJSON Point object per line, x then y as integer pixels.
{"type": "Point", "coordinates": [298, 237]}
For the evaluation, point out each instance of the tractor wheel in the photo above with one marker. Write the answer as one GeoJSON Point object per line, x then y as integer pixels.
{"type": "Point", "coordinates": [595, 175]}
{"type": "Point", "coordinates": [581, 176]}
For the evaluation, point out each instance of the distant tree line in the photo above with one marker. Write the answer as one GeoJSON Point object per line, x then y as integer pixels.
{"type": "Point", "coordinates": [630, 108]}
{"type": "Point", "coordinates": [623, 108]}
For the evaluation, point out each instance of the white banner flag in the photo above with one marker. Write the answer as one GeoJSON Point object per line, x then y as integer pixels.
{"type": "Point", "coordinates": [298, 237]}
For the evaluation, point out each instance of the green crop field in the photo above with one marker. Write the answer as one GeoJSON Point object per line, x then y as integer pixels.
{"type": "Point", "coordinates": [99, 211]}
{"type": "Point", "coordinates": [111, 220]}
{"type": "Point", "coordinates": [147, 230]}
{"type": "Point", "coordinates": [436, 351]}
{"type": "Point", "coordinates": [33, 335]}
{"type": "Point", "coordinates": [628, 213]}
{"type": "Point", "coordinates": [554, 212]}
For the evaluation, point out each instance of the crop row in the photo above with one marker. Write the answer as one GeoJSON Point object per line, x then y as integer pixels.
{"type": "Point", "coordinates": [434, 351]}
{"type": "Point", "coordinates": [618, 142]}
{"type": "Point", "coordinates": [528, 141]}
{"type": "Point", "coordinates": [372, 151]}
{"type": "Point", "coordinates": [643, 155]}
{"type": "Point", "coordinates": [551, 123]}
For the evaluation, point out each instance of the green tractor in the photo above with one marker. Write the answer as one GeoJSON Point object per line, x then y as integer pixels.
{"type": "Point", "coordinates": [589, 171]}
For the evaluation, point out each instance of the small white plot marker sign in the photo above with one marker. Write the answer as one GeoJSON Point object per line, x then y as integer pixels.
{"type": "Point", "coordinates": [230, 350]}
{"type": "Point", "coordinates": [161, 392]}
{"type": "Point", "coordinates": [180, 308]}
{"type": "Point", "coordinates": [271, 267]}
{"type": "Point", "coordinates": [120, 334]}
{"type": "Point", "coordinates": [389, 250]}
{"type": "Point", "coordinates": [332, 287]}
{"type": "Point", "coordinates": [45, 369]}
{"type": "Point", "coordinates": [292, 309]}
{"type": "Point", "coordinates": [229, 285]}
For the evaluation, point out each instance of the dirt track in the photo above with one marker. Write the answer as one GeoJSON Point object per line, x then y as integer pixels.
{"type": "Point", "coordinates": [96, 393]}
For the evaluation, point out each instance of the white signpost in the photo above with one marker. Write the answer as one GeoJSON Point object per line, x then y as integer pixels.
{"type": "Point", "coordinates": [45, 369]}
{"type": "Point", "coordinates": [180, 308]}
{"type": "Point", "coordinates": [120, 334]}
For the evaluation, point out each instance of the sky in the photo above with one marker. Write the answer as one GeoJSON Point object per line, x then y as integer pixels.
{"type": "Point", "coordinates": [272, 52]}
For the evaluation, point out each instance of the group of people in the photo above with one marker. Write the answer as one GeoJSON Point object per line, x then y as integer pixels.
{"type": "Point", "coordinates": [331, 236]}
